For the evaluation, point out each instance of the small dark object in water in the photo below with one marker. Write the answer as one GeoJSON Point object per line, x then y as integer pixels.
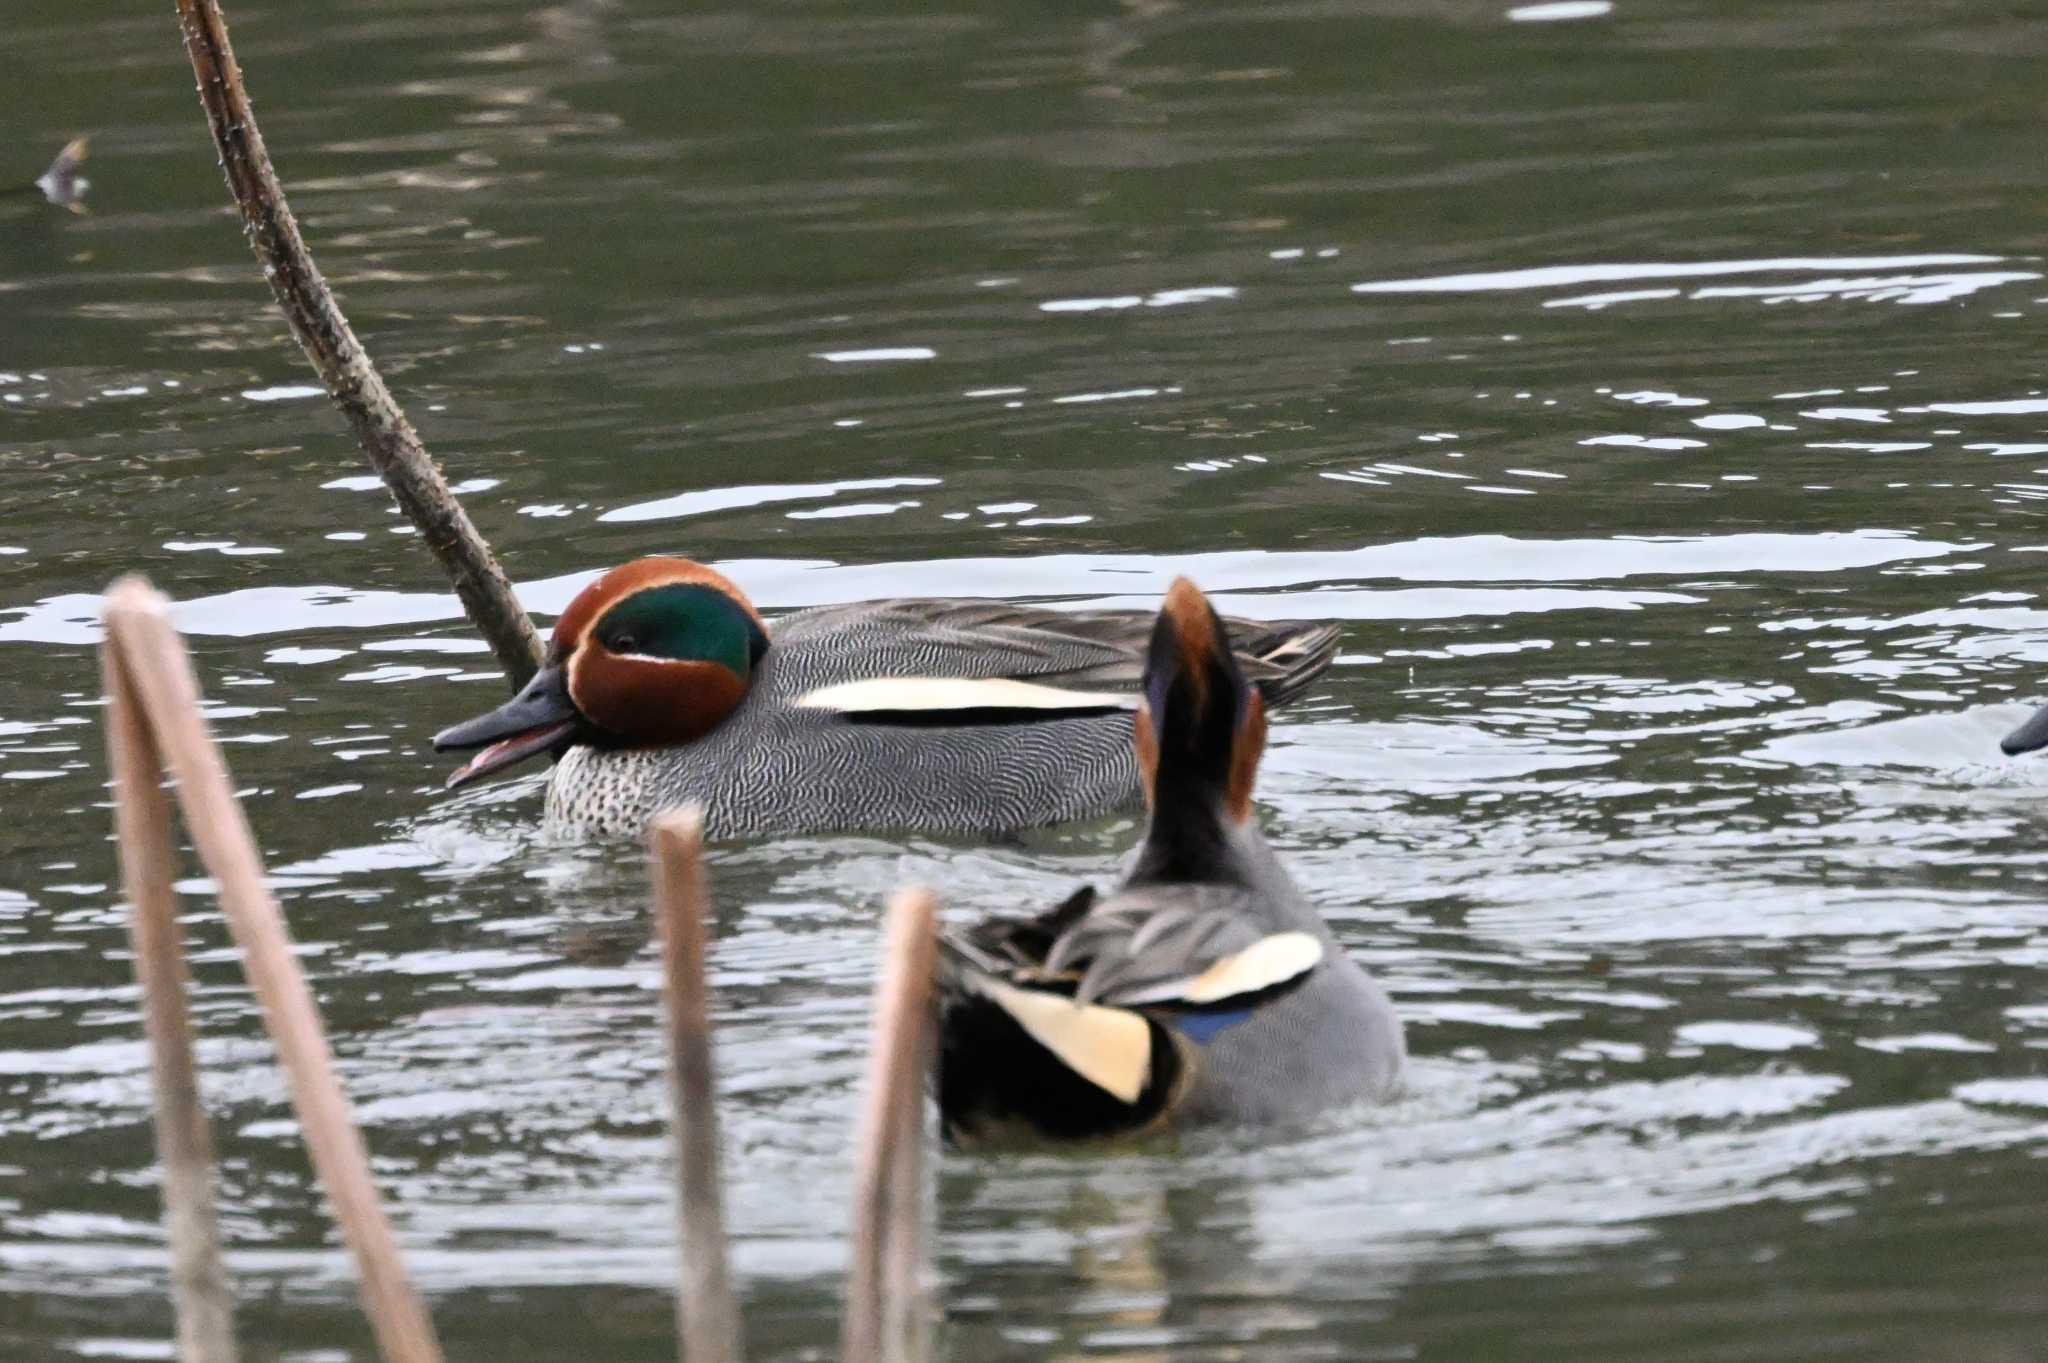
{"type": "Point", "coordinates": [62, 184]}
{"type": "Point", "coordinates": [2029, 736]}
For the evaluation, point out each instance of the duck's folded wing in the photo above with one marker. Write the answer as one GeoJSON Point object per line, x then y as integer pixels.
{"type": "Point", "coordinates": [1094, 1036]}
{"type": "Point", "coordinates": [1021, 943]}
{"type": "Point", "coordinates": [943, 637]}
{"type": "Point", "coordinates": [1070, 651]}
{"type": "Point", "coordinates": [1191, 958]}
{"type": "Point", "coordinates": [1012, 1052]}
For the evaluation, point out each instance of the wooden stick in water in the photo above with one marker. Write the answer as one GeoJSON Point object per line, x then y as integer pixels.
{"type": "Point", "coordinates": [707, 1318]}
{"type": "Point", "coordinates": [886, 1320]}
{"type": "Point", "coordinates": [352, 381]}
{"type": "Point", "coordinates": [159, 671]}
{"type": "Point", "coordinates": [142, 824]}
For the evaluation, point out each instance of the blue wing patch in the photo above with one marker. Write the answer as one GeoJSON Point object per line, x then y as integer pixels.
{"type": "Point", "coordinates": [1202, 1028]}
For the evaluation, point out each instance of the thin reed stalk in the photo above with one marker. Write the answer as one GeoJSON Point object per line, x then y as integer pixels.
{"type": "Point", "coordinates": [142, 825]}
{"type": "Point", "coordinates": [886, 1318]}
{"type": "Point", "coordinates": [156, 672]}
{"type": "Point", "coordinates": [707, 1317]}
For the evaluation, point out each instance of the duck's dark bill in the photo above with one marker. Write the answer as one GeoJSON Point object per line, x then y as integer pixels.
{"type": "Point", "coordinates": [517, 748]}
{"type": "Point", "coordinates": [2029, 736]}
{"type": "Point", "coordinates": [540, 717]}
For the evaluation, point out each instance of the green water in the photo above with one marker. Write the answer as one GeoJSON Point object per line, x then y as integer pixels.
{"type": "Point", "coordinates": [1657, 397]}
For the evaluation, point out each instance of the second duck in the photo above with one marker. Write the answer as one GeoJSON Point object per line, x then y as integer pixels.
{"type": "Point", "coordinates": [1206, 990]}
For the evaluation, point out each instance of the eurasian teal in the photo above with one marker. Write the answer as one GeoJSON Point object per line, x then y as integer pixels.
{"type": "Point", "coordinates": [663, 685]}
{"type": "Point", "coordinates": [1205, 990]}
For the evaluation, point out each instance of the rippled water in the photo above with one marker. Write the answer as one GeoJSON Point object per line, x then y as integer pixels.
{"type": "Point", "coordinates": [1656, 394]}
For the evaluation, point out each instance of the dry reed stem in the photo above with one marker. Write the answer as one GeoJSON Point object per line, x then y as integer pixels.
{"type": "Point", "coordinates": [707, 1317]}
{"type": "Point", "coordinates": [886, 1320]}
{"type": "Point", "coordinates": [344, 367]}
{"type": "Point", "coordinates": [159, 673]}
{"type": "Point", "coordinates": [142, 825]}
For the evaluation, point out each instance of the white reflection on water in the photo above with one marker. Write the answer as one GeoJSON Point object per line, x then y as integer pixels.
{"type": "Point", "coordinates": [729, 498]}
{"type": "Point", "coordinates": [878, 354]}
{"type": "Point", "coordinates": [1165, 298]}
{"type": "Point", "coordinates": [1559, 276]}
{"type": "Point", "coordinates": [785, 584]}
{"type": "Point", "coordinates": [1560, 11]}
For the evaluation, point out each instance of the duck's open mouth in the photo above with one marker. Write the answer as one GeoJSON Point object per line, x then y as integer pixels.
{"type": "Point", "coordinates": [541, 718]}
{"type": "Point", "coordinates": [506, 752]}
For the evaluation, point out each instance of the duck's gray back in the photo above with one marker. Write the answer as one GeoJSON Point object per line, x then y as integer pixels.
{"type": "Point", "coordinates": [942, 637]}
{"type": "Point", "coordinates": [1332, 1043]}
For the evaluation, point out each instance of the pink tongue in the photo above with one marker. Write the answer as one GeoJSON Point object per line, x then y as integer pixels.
{"type": "Point", "coordinates": [506, 751]}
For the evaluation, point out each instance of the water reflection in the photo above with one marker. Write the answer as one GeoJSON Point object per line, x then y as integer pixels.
{"type": "Point", "coordinates": [1897, 288]}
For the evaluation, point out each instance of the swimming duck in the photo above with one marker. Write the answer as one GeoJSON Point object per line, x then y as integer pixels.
{"type": "Point", "coordinates": [1205, 990]}
{"type": "Point", "coordinates": [64, 183]}
{"type": "Point", "coordinates": [662, 684]}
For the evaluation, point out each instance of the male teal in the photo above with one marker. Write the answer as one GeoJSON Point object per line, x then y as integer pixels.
{"type": "Point", "coordinates": [663, 685]}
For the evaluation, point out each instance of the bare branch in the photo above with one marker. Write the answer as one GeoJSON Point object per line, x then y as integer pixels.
{"type": "Point", "coordinates": [380, 427]}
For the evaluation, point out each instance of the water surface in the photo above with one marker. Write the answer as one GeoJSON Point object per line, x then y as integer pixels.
{"type": "Point", "coordinates": [1656, 395]}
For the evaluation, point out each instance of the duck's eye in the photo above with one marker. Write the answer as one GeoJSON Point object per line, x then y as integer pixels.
{"type": "Point", "coordinates": [623, 643]}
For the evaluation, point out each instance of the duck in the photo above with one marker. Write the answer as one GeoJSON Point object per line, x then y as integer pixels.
{"type": "Point", "coordinates": [64, 183]}
{"type": "Point", "coordinates": [662, 685]}
{"type": "Point", "coordinates": [1204, 991]}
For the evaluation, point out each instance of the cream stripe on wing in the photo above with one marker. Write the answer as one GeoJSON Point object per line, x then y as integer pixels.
{"type": "Point", "coordinates": [1110, 1048]}
{"type": "Point", "coordinates": [1267, 962]}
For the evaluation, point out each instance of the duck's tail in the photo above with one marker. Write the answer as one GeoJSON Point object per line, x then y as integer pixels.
{"type": "Point", "coordinates": [1021, 1061]}
{"type": "Point", "coordinates": [1284, 657]}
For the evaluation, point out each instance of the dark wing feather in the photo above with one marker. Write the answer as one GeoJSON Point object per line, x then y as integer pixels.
{"type": "Point", "coordinates": [1023, 943]}
{"type": "Point", "coordinates": [1281, 657]}
{"type": "Point", "coordinates": [1126, 952]}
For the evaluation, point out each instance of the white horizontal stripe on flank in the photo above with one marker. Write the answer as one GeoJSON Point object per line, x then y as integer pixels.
{"type": "Point", "coordinates": [956, 693]}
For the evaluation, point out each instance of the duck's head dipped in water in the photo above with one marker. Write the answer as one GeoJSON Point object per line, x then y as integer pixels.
{"type": "Point", "coordinates": [1205, 990]}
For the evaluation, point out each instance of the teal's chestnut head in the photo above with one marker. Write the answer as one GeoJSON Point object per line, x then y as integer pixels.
{"type": "Point", "coordinates": [654, 653]}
